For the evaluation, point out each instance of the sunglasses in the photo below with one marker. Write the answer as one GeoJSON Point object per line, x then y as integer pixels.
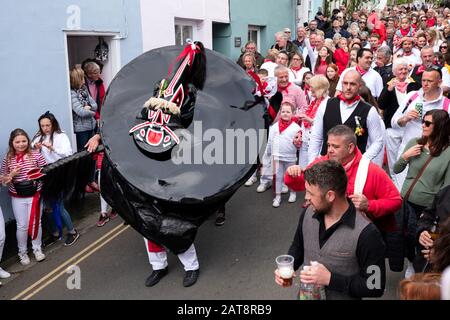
{"type": "Point", "coordinates": [443, 47]}
{"type": "Point", "coordinates": [427, 123]}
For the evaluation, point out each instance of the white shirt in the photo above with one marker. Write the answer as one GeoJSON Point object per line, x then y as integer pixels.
{"type": "Point", "coordinates": [413, 129]}
{"type": "Point", "coordinates": [299, 75]}
{"type": "Point", "coordinates": [280, 145]}
{"type": "Point", "coordinates": [61, 147]}
{"type": "Point", "coordinates": [445, 77]}
{"type": "Point", "coordinates": [270, 67]}
{"type": "Point", "coordinates": [373, 126]}
{"type": "Point", "coordinates": [413, 59]}
{"type": "Point", "coordinates": [371, 78]}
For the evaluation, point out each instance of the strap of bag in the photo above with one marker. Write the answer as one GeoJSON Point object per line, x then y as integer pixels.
{"type": "Point", "coordinates": [361, 175]}
{"type": "Point", "coordinates": [417, 178]}
{"type": "Point", "coordinates": [413, 97]}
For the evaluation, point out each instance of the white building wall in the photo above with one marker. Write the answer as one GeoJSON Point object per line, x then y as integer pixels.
{"type": "Point", "coordinates": [158, 20]}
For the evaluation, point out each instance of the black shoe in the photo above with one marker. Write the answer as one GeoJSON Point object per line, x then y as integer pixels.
{"type": "Point", "coordinates": [220, 219]}
{"type": "Point", "coordinates": [190, 278]}
{"type": "Point", "coordinates": [71, 238]}
{"type": "Point", "coordinates": [155, 277]}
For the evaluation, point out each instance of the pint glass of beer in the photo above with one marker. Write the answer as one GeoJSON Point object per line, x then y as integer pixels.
{"type": "Point", "coordinates": [285, 265]}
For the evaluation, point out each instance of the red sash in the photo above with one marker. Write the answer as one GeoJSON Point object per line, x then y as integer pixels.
{"type": "Point", "coordinates": [35, 217]}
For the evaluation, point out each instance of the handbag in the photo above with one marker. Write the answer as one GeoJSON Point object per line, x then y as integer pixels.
{"type": "Point", "coordinates": [26, 188]}
{"type": "Point", "coordinates": [407, 220]}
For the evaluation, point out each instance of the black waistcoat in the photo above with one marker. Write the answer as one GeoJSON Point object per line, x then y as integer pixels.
{"type": "Point", "coordinates": [332, 117]}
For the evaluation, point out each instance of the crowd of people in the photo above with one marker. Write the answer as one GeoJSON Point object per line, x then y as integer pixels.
{"type": "Point", "coordinates": [352, 95]}
{"type": "Point", "coordinates": [367, 90]}
{"type": "Point", "coordinates": [31, 210]}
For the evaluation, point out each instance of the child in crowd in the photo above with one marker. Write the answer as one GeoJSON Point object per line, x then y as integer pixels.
{"type": "Point", "coordinates": [405, 30]}
{"type": "Point", "coordinates": [267, 88]}
{"type": "Point", "coordinates": [281, 148]}
{"type": "Point", "coordinates": [54, 144]}
{"type": "Point", "coordinates": [25, 193]}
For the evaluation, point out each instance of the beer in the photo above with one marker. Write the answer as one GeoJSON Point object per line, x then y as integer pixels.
{"type": "Point", "coordinates": [434, 231]}
{"type": "Point", "coordinates": [286, 273]}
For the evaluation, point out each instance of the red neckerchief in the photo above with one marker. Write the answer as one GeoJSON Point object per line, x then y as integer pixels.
{"type": "Point", "coordinates": [306, 91]}
{"type": "Point", "coordinates": [405, 32]}
{"type": "Point", "coordinates": [311, 111]}
{"type": "Point", "coordinates": [401, 86]}
{"type": "Point", "coordinates": [421, 69]}
{"type": "Point", "coordinates": [349, 164]}
{"type": "Point", "coordinates": [348, 101]}
{"type": "Point", "coordinates": [296, 68]}
{"type": "Point", "coordinates": [361, 71]}
{"type": "Point", "coordinates": [283, 124]}
{"type": "Point", "coordinates": [267, 60]}
{"type": "Point", "coordinates": [407, 55]}
{"type": "Point", "coordinates": [20, 156]}
{"type": "Point", "coordinates": [280, 89]}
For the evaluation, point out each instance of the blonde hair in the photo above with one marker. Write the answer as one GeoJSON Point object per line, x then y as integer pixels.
{"type": "Point", "coordinates": [320, 85]}
{"type": "Point", "coordinates": [91, 66]}
{"type": "Point", "coordinates": [272, 54]}
{"type": "Point", "coordinates": [76, 78]}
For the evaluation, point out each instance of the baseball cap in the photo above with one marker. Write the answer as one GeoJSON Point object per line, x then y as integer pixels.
{"type": "Point", "coordinates": [286, 30]}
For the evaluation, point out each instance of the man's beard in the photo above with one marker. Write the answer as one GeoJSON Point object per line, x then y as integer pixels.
{"type": "Point", "coordinates": [324, 210]}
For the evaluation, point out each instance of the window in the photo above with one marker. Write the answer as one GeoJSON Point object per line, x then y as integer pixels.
{"type": "Point", "coordinates": [182, 33]}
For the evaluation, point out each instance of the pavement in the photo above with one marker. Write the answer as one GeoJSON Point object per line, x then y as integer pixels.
{"type": "Point", "coordinates": [237, 260]}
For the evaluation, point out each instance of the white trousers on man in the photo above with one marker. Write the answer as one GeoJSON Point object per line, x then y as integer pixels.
{"type": "Point", "coordinates": [22, 212]}
{"type": "Point", "coordinates": [158, 260]}
{"type": "Point", "coordinates": [393, 141]}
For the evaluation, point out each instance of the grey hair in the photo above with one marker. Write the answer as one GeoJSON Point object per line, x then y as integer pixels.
{"type": "Point", "coordinates": [280, 69]}
{"type": "Point", "coordinates": [281, 34]}
{"type": "Point", "coordinates": [398, 63]}
{"type": "Point", "coordinates": [342, 130]}
{"type": "Point", "coordinates": [91, 66]}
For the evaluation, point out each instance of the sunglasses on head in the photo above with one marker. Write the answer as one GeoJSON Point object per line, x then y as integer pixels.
{"type": "Point", "coordinates": [427, 123]}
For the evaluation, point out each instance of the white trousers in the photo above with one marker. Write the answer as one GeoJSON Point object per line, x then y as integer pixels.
{"type": "Point", "coordinates": [266, 169]}
{"type": "Point", "coordinates": [2, 233]}
{"type": "Point", "coordinates": [158, 260]}
{"type": "Point", "coordinates": [281, 168]}
{"type": "Point", "coordinates": [103, 204]}
{"type": "Point", "coordinates": [303, 156]}
{"type": "Point", "coordinates": [393, 141]}
{"type": "Point", "coordinates": [22, 212]}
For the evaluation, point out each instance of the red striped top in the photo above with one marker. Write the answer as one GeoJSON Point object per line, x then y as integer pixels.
{"type": "Point", "coordinates": [28, 162]}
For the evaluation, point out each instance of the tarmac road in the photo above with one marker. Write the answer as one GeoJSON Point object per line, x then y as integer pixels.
{"type": "Point", "coordinates": [237, 260]}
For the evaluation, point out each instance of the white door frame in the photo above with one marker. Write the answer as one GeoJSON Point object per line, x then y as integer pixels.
{"type": "Point", "coordinates": [258, 36]}
{"type": "Point", "coordinates": [116, 64]}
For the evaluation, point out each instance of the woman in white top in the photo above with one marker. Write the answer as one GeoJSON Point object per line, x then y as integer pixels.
{"type": "Point", "coordinates": [298, 68]}
{"type": "Point", "coordinates": [54, 144]}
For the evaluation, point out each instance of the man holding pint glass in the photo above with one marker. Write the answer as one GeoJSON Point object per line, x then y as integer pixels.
{"type": "Point", "coordinates": [345, 248]}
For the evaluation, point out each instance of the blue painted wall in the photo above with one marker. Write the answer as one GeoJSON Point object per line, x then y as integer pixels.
{"type": "Point", "coordinates": [271, 16]}
{"type": "Point", "coordinates": [33, 59]}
